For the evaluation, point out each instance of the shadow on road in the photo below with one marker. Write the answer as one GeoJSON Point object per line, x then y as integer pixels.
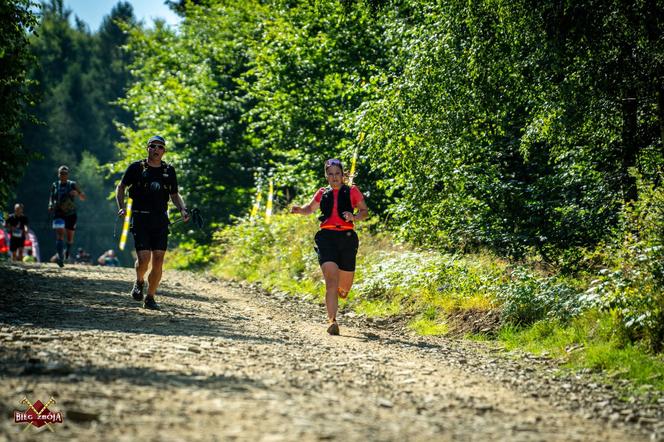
{"type": "Point", "coordinates": [69, 301]}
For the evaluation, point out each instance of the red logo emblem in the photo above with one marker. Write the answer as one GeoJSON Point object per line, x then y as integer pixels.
{"type": "Point", "coordinates": [38, 414]}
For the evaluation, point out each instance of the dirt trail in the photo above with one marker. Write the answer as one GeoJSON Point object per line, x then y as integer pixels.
{"type": "Point", "coordinates": [222, 362]}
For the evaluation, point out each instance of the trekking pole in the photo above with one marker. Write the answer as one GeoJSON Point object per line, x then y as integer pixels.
{"type": "Point", "coordinates": [195, 216]}
{"type": "Point", "coordinates": [125, 226]}
{"type": "Point", "coordinates": [115, 227]}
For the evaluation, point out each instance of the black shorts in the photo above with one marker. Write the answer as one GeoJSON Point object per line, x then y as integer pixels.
{"type": "Point", "coordinates": [15, 243]}
{"type": "Point", "coordinates": [70, 221]}
{"type": "Point", "coordinates": [149, 234]}
{"type": "Point", "coordinates": [338, 246]}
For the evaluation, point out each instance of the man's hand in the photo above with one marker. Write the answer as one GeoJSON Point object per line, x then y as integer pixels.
{"type": "Point", "coordinates": [185, 214]}
{"type": "Point", "coordinates": [122, 212]}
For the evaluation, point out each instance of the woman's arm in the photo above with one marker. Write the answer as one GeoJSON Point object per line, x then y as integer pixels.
{"type": "Point", "coordinates": [307, 209]}
{"type": "Point", "coordinates": [361, 215]}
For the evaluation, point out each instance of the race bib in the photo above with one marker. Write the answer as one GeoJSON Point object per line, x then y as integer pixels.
{"type": "Point", "coordinates": [17, 232]}
{"type": "Point", "coordinates": [58, 223]}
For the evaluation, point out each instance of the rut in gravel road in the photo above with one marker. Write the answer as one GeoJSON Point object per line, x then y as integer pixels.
{"type": "Point", "coordinates": [220, 362]}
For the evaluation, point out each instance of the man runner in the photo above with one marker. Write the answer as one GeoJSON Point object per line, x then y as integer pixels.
{"type": "Point", "coordinates": [151, 182]}
{"type": "Point", "coordinates": [61, 203]}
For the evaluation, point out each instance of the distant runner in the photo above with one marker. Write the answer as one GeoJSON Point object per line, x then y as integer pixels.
{"type": "Point", "coordinates": [17, 225]}
{"type": "Point", "coordinates": [151, 182]}
{"type": "Point", "coordinates": [62, 205]}
{"type": "Point", "coordinates": [336, 241]}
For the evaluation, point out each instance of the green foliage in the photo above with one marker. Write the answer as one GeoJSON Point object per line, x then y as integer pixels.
{"type": "Point", "coordinates": [188, 256]}
{"type": "Point", "coordinates": [16, 23]}
{"type": "Point", "coordinates": [529, 298]}
{"type": "Point", "coordinates": [631, 285]}
{"type": "Point", "coordinates": [75, 77]}
{"type": "Point", "coordinates": [489, 124]}
{"type": "Point", "coordinates": [503, 124]}
{"type": "Point", "coordinates": [279, 254]}
{"type": "Point", "coordinates": [192, 99]}
{"type": "Point", "coordinates": [428, 324]}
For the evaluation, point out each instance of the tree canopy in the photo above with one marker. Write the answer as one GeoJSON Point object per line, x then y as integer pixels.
{"type": "Point", "coordinates": [489, 124]}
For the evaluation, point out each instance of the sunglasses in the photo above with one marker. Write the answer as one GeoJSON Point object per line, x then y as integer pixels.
{"type": "Point", "coordinates": [156, 146]}
{"type": "Point", "coordinates": [333, 162]}
{"type": "Point", "coordinates": [63, 173]}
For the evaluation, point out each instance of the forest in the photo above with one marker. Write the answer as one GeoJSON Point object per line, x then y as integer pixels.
{"type": "Point", "coordinates": [532, 133]}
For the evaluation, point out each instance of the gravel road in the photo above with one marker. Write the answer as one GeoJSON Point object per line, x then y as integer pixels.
{"type": "Point", "coordinates": [224, 361]}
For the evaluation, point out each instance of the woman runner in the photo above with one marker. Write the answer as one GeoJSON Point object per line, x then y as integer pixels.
{"type": "Point", "coordinates": [336, 241]}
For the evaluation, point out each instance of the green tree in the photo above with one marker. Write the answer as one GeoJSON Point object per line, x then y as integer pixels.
{"type": "Point", "coordinates": [16, 23]}
{"type": "Point", "coordinates": [76, 78]}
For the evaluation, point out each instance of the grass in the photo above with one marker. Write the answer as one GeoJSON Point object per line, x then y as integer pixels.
{"type": "Point", "coordinates": [588, 342]}
{"type": "Point", "coordinates": [378, 308]}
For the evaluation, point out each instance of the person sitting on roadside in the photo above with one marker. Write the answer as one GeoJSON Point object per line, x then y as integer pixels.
{"type": "Point", "coordinates": [29, 257]}
{"type": "Point", "coordinates": [82, 257]}
{"type": "Point", "coordinates": [108, 259]}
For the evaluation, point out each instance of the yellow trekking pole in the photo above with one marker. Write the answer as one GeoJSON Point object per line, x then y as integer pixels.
{"type": "Point", "coordinates": [125, 226]}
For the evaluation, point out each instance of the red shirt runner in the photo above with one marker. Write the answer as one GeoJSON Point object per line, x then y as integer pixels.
{"type": "Point", "coordinates": [335, 222]}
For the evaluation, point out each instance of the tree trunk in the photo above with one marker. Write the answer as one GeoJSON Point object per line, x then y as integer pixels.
{"type": "Point", "coordinates": [660, 110]}
{"type": "Point", "coordinates": [630, 143]}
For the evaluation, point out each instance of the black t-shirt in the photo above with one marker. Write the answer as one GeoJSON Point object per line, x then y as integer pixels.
{"type": "Point", "coordinates": [16, 225]}
{"type": "Point", "coordinates": [150, 187]}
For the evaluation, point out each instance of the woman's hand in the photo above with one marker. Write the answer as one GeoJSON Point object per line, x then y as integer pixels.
{"type": "Point", "coordinates": [349, 217]}
{"type": "Point", "coordinates": [296, 209]}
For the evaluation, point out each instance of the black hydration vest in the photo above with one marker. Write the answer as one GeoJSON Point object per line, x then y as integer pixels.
{"type": "Point", "coordinates": [343, 203]}
{"type": "Point", "coordinates": [151, 191]}
{"type": "Point", "coordinates": [143, 186]}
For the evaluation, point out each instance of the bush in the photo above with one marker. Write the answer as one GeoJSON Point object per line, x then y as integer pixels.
{"type": "Point", "coordinates": [631, 285]}
{"type": "Point", "coordinates": [529, 298]}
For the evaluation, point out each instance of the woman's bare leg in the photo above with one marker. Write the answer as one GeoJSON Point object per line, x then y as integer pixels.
{"type": "Point", "coordinates": [331, 275]}
{"type": "Point", "coordinates": [345, 283]}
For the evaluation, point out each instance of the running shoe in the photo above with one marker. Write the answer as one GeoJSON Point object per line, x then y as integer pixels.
{"type": "Point", "coordinates": [137, 291]}
{"type": "Point", "coordinates": [61, 262]}
{"type": "Point", "coordinates": [333, 328]}
{"type": "Point", "coordinates": [150, 303]}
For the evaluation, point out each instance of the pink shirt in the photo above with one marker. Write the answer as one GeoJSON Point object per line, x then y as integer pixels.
{"type": "Point", "coordinates": [335, 222]}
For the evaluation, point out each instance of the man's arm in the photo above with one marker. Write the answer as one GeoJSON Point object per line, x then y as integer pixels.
{"type": "Point", "coordinates": [51, 202]}
{"type": "Point", "coordinates": [179, 203]}
{"type": "Point", "coordinates": [120, 198]}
